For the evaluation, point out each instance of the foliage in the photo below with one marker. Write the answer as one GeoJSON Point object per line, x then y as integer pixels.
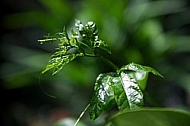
{"type": "Point", "coordinates": [151, 116]}
{"type": "Point", "coordinates": [159, 38]}
{"type": "Point", "coordinates": [123, 87]}
{"type": "Point", "coordinates": [70, 48]}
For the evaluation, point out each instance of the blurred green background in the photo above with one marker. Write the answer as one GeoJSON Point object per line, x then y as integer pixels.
{"type": "Point", "coordinates": [154, 33]}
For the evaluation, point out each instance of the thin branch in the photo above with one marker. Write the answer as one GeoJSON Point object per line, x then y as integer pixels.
{"type": "Point", "coordinates": [108, 62]}
{"type": "Point", "coordinates": [81, 115]}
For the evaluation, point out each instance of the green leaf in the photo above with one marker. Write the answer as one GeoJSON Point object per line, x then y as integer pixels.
{"type": "Point", "coordinates": [58, 61]}
{"type": "Point", "coordinates": [139, 73]}
{"type": "Point", "coordinates": [119, 94]}
{"type": "Point", "coordinates": [132, 90]}
{"type": "Point", "coordinates": [121, 88]}
{"type": "Point", "coordinates": [151, 117]}
{"type": "Point", "coordinates": [83, 43]}
{"type": "Point", "coordinates": [137, 67]}
{"type": "Point", "coordinates": [68, 49]}
{"type": "Point", "coordinates": [102, 94]}
{"type": "Point", "coordinates": [124, 88]}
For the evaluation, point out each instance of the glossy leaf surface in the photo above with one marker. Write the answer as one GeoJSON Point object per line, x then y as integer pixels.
{"type": "Point", "coordinates": [132, 90]}
{"type": "Point", "coordinates": [58, 61]}
{"type": "Point", "coordinates": [139, 73]}
{"type": "Point", "coordinates": [102, 93]}
{"type": "Point", "coordinates": [111, 86]}
{"type": "Point", "coordinates": [122, 88]}
{"type": "Point", "coordinates": [119, 94]}
{"type": "Point", "coordinates": [139, 68]}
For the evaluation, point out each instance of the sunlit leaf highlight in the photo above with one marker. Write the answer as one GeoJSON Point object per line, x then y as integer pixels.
{"type": "Point", "coordinates": [123, 88]}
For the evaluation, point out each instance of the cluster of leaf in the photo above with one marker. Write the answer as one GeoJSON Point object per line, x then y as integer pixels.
{"type": "Point", "coordinates": [122, 88]}
{"type": "Point", "coordinates": [81, 43]}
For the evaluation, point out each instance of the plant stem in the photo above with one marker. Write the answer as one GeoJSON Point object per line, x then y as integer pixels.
{"type": "Point", "coordinates": [108, 62]}
{"type": "Point", "coordinates": [104, 59]}
{"type": "Point", "coordinates": [81, 115]}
